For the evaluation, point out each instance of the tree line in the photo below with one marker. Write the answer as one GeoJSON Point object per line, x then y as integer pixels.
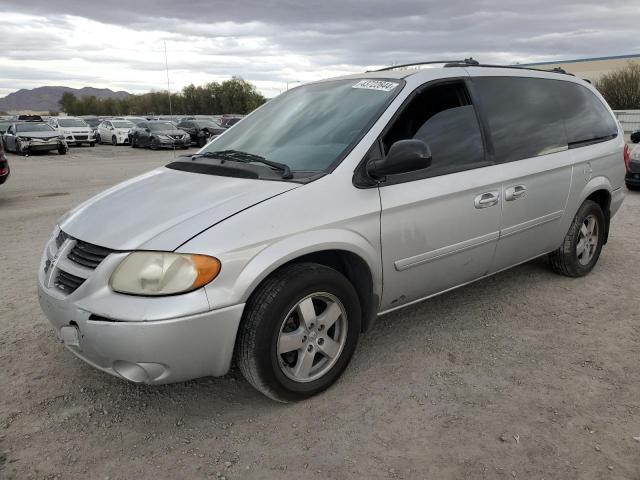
{"type": "Point", "coordinates": [231, 96]}
{"type": "Point", "coordinates": [621, 88]}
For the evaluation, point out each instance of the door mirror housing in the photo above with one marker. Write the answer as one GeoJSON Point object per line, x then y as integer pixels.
{"type": "Point", "coordinates": [404, 156]}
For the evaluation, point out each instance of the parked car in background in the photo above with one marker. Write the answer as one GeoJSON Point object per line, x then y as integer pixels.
{"type": "Point", "coordinates": [74, 130]}
{"type": "Point", "coordinates": [632, 179]}
{"type": "Point", "coordinates": [4, 125]}
{"type": "Point", "coordinates": [201, 131]}
{"type": "Point", "coordinates": [134, 120]}
{"type": "Point", "coordinates": [28, 118]}
{"type": "Point", "coordinates": [115, 132]}
{"type": "Point", "coordinates": [158, 134]}
{"type": "Point", "coordinates": [282, 240]}
{"type": "Point", "coordinates": [24, 138]}
{"type": "Point", "coordinates": [5, 171]}
{"type": "Point", "coordinates": [92, 121]}
{"type": "Point", "coordinates": [227, 122]}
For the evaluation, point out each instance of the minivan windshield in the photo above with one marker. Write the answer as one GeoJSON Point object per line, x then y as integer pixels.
{"type": "Point", "coordinates": [310, 127]}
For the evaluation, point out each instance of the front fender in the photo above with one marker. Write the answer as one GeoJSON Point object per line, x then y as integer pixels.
{"type": "Point", "coordinates": [268, 259]}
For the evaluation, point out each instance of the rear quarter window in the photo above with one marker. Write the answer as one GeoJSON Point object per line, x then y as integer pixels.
{"type": "Point", "coordinates": [586, 118]}
{"type": "Point", "coordinates": [529, 117]}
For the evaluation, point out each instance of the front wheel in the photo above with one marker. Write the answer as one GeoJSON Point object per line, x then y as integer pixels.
{"type": "Point", "coordinates": [114, 141]}
{"type": "Point", "coordinates": [154, 144]}
{"type": "Point", "coordinates": [582, 245]}
{"type": "Point", "coordinates": [299, 331]}
{"type": "Point", "coordinates": [98, 139]}
{"type": "Point", "coordinates": [62, 150]}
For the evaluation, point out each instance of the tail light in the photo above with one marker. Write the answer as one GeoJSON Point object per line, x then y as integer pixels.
{"type": "Point", "coordinates": [627, 156]}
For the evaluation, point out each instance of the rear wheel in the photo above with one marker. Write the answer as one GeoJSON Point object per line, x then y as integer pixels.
{"type": "Point", "coordinates": [582, 245]}
{"type": "Point", "coordinates": [299, 331]}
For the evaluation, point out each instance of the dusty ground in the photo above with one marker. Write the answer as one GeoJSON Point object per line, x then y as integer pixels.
{"type": "Point", "coordinates": [525, 375]}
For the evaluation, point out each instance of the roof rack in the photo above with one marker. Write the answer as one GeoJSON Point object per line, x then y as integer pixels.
{"type": "Point", "coordinates": [471, 62]}
{"type": "Point", "coordinates": [466, 61]}
{"type": "Point", "coordinates": [549, 70]}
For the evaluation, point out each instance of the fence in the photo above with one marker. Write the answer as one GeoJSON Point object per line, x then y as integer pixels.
{"type": "Point", "coordinates": [629, 120]}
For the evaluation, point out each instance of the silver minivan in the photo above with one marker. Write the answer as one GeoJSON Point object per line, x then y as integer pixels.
{"type": "Point", "coordinates": [280, 242]}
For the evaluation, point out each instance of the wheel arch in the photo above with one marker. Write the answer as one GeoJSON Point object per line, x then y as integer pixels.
{"type": "Point", "coordinates": [357, 260]}
{"type": "Point", "coordinates": [599, 190]}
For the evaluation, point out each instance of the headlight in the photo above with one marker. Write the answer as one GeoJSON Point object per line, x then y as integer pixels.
{"type": "Point", "coordinates": [186, 135]}
{"type": "Point", "coordinates": [635, 153]}
{"type": "Point", "coordinates": [163, 137]}
{"type": "Point", "coordinates": [163, 273]}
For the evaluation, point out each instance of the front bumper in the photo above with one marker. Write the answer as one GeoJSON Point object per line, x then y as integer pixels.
{"type": "Point", "coordinates": [80, 138]}
{"type": "Point", "coordinates": [170, 143]}
{"type": "Point", "coordinates": [154, 344]}
{"type": "Point", "coordinates": [632, 179]}
{"type": "Point", "coordinates": [36, 145]}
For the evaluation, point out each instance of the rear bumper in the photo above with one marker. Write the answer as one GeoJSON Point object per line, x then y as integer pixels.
{"type": "Point", "coordinates": [152, 352]}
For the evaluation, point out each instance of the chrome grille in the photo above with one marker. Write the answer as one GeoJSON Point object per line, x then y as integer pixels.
{"type": "Point", "coordinates": [68, 283]}
{"type": "Point", "coordinates": [81, 137]}
{"type": "Point", "coordinates": [88, 255]}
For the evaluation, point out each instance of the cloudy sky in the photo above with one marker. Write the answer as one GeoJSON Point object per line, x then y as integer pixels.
{"type": "Point", "coordinates": [120, 45]}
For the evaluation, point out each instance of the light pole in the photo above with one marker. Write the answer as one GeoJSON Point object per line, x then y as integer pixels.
{"type": "Point", "coordinates": [292, 81]}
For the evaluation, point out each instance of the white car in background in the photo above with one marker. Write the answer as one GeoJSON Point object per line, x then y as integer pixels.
{"type": "Point", "coordinates": [74, 130]}
{"type": "Point", "coordinates": [115, 132]}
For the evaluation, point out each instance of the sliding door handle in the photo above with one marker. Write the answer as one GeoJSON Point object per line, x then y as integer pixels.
{"type": "Point", "coordinates": [515, 192]}
{"type": "Point", "coordinates": [487, 199]}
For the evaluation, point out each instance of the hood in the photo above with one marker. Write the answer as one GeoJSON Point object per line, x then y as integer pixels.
{"type": "Point", "coordinates": [76, 129]}
{"type": "Point", "coordinates": [162, 209]}
{"type": "Point", "coordinates": [39, 134]}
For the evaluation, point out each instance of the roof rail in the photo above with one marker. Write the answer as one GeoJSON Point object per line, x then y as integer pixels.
{"type": "Point", "coordinates": [466, 61]}
{"type": "Point", "coordinates": [519, 67]}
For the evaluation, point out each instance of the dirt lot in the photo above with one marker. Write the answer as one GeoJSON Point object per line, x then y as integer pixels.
{"type": "Point", "coordinates": [525, 375]}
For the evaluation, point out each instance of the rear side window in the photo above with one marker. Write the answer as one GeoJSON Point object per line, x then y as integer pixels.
{"type": "Point", "coordinates": [587, 120]}
{"type": "Point", "coordinates": [523, 116]}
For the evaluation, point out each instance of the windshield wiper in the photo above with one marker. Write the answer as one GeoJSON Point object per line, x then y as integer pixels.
{"type": "Point", "coordinates": [246, 157]}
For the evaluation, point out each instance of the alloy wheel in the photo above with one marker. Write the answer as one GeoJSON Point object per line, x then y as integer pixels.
{"type": "Point", "coordinates": [587, 240]}
{"type": "Point", "coordinates": [312, 336]}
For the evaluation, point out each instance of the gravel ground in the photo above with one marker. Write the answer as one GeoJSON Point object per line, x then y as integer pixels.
{"type": "Point", "coordinates": [524, 375]}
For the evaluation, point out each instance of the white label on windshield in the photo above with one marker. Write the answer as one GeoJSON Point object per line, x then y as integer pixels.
{"type": "Point", "coordinates": [381, 85]}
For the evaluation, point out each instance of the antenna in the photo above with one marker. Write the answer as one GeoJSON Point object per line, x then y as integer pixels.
{"type": "Point", "coordinates": [166, 64]}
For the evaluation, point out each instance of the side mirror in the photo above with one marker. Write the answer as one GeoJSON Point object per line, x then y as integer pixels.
{"type": "Point", "coordinates": [635, 136]}
{"type": "Point", "coordinates": [404, 156]}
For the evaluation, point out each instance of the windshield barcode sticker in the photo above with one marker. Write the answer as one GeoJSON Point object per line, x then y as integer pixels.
{"type": "Point", "coordinates": [382, 85]}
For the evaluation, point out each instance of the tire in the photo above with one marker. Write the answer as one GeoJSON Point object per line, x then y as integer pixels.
{"type": "Point", "coordinates": [568, 260]}
{"type": "Point", "coordinates": [271, 313]}
{"type": "Point", "coordinates": [153, 145]}
{"type": "Point", "coordinates": [202, 141]}
{"type": "Point", "coordinates": [114, 141]}
{"type": "Point", "coordinates": [92, 144]}
{"type": "Point", "coordinates": [62, 151]}
{"type": "Point", "coordinates": [134, 142]}
{"type": "Point", "coordinates": [98, 139]}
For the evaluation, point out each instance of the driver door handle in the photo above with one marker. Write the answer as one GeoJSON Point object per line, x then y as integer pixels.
{"type": "Point", "coordinates": [487, 199]}
{"type": "Point", "coordinates": [515, 192]}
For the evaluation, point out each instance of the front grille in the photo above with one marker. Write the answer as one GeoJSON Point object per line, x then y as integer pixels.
{"type": "Point", "coordinates": [81, 137]}
{"type": "Point", "coordinates": [88, 255]}
{"type": "Point", "coordinates": [68, 283]}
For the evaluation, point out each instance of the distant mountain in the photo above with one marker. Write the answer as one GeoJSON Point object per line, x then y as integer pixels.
{"type": "Point", "coordinates": [44, 99]}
